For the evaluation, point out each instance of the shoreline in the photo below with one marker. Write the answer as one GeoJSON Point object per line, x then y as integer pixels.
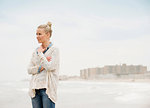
{"type": "Point", "coordinates": [99, 80]}
{"type": "Point", "coordinates": [109, 80]}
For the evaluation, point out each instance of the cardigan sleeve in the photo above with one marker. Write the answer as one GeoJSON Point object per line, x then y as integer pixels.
{"type": "Point", "coordinates": [32, 68]}
{"type": "Point", "coordinates": [50, 65]}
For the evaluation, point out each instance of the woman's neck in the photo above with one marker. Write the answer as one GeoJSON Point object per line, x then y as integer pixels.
{"type": "Point", "coordinates": [45, 44]}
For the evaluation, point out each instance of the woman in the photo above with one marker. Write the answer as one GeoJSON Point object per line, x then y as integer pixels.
{"type": "Point", "coordinates": [44, 67]}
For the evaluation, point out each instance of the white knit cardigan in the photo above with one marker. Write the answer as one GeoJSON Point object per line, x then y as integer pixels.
{"type": "Point", "coordinates": [51, 68]}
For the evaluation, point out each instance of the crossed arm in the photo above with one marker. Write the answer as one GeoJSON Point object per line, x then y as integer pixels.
{"type": "Point", "coordinates": [40, 69]}
{"type": "Point", "coordinates": [46, 63]}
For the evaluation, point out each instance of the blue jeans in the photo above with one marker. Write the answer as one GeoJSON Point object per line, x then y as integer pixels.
{"type": "Point", "coordinates": [41, 99]}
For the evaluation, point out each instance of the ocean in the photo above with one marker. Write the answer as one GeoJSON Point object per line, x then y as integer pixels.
{"type": "Point", "coordinates": [81, 94]}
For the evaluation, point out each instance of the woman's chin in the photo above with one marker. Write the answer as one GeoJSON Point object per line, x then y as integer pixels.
{"type": "Point", "coordinates": [39, 42]}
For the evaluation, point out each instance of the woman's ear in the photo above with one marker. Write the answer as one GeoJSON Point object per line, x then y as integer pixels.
{"type": "Point", "coordinates": [48, 35]}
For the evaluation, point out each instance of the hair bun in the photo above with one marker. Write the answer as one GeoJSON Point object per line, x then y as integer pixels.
{"type": "Point", "coordinates": [49, 24]}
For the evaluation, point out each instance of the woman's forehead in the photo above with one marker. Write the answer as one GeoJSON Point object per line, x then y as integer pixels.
{"type": "Point", "coordinates": [40, 30]}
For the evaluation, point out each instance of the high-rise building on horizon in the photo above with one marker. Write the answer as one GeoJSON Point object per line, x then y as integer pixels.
{"type": "Point", "coordinates": [115, 71]}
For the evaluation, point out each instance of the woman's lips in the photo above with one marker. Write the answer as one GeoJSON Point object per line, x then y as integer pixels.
{"type": "Point", "coordinates": [38, 39]}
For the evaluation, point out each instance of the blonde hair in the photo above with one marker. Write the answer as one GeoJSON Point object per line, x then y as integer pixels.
{"type": "Point", "coordinates": [46, 27]}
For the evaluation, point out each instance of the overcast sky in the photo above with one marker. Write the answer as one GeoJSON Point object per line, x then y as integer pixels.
{"type": "Point", "coordinates": [89, 33]}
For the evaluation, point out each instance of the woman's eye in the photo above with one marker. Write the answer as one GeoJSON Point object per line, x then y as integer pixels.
{"type": "Point", "coordinates": [38, 34]}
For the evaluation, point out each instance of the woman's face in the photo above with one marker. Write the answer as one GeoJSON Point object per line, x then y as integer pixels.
{"type": "Point", "coordinates": [41, 35]}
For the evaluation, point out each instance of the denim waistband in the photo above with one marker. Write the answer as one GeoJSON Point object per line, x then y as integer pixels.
{"type": "Point", "coordinates": [40, 89]}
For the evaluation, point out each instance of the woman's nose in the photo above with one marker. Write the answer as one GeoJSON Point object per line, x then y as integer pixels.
{"type": "Point", "coordinates": [37, 36]}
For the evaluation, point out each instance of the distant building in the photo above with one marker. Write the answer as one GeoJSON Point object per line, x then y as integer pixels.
{"type": "Point", "coordinates": [116, 71]}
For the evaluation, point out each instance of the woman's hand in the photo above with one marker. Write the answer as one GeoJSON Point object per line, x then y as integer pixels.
{"type": "Point", "coordinates": [42, 69]}
{"type": "Point", "coordinates": [49, 58]}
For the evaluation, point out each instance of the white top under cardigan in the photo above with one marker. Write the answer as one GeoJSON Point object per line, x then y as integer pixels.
{"type": "Point", "coordinates": [48, 78]}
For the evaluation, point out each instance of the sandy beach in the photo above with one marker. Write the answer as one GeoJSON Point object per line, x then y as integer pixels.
{"type": "Point", "coordinates": [82, 94]}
